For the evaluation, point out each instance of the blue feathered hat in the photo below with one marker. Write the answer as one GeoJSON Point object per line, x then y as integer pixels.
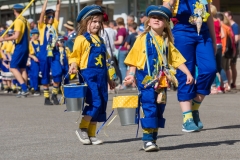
{"type": "Point", "coordinates": [159, 11]}
{"type": "Point", "coordinates": [88, 11]}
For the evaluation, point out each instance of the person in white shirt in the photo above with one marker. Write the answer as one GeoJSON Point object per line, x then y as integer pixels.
{"type": "Point", "coordinates": [108, 35]}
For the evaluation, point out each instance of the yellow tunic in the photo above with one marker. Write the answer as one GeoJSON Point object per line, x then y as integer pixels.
{"type": "Point", "coordinates": [10, 47]}
{"type": "Point", "coordinates": [19, 25]}
{"type": "Point", "coordinates": [81, 50]}
{"type": "Point", "coordinates": [41, 28]}
{"type": "Point", "coordinates": [31, 48]}
{"type": "Point", "coordinates": [137, 55]}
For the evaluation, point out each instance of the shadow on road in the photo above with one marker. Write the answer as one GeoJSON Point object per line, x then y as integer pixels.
{"type": "Point", "coordinates": [223, 127]}
{"type": "Point", "coordinates": [197, 145]}
{"type": "Point", "coordinates": [137, 139]}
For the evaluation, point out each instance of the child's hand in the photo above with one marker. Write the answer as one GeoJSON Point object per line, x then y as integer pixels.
{"type": "Point", "coordinates": [73, 68]}
{"type": "Point", "coordinates": [190, 79]}
{"type": "Point", "coordinates": [111, 84]}
{"type": "Point", "coordinates": [35, 59]}
{"type": "Point", "coordinates": [129, 79]}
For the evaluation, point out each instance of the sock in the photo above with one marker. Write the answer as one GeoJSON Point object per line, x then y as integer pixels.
{"type": "Point", "coordinates": [84, 124]}
{"type": "Point", "coordinates": [24, 87]}
{"type": "Point", "coordinates": [148, 134]}
{"type": "Point", "coordinates": [195, 105]}
{"type": "Point", "coordinates": [155, 133]}
{"type": "Point", "coordinates": [92, 130]}
{"type": "Point", "coordinates": [187, 115]}
{"type": "Point", "coordinates": [46, 93]}
{"type": "Point", "coordinates": [14, 87]}
{"type": "Point", "coordinates": [55, 90]}
{"type": "Point", "coordinates": [5, 87]}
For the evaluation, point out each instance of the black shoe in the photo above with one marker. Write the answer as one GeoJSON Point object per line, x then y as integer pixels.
{"type": "Point", "coordinates": [55, 99]}
{"type": "Point", "coordinates": [10, 90]}
{"type": "Point", "coordinates": [36, 93]}
{"type": "Point", "coordinates": [15, 91]}
{"type": "Point", "coordinates": [48, 102]}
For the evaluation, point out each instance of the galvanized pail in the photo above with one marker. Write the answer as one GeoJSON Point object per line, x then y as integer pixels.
{"type": "Point", "coordinates": [126, 107]}
{"type": "Point", "coordinates": [74, 104]}
{"type": "Point", "coordinates": [127, 116]}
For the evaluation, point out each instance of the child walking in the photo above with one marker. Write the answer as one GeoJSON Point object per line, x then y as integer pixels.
{"type": "Point", "coordinates": [150, 61]}
{"type": "Point", "coordinates": [89, 54]}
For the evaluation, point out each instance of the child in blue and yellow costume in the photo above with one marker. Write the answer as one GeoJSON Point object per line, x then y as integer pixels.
{"type": "Point", "coordinates": [64, 53]}
{"type": "Point", "coordinates": [34, 53]}
{"type": "Point", "coordinates": [90, 55]}
{"type": "Point", "coordinates": [20, 55]}
{"type": "Point", "coordinates": [194, 37]}
{"type": "Point", "coordinates": [6, 53]}
{"type": "Point", "coordinates": [49, 57]}
{"type": "Point", "coordinates": [150, 61]}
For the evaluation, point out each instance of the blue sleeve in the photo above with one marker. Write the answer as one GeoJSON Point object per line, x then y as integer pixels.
{"type": "Point", "coordinates": [235, 29]}
{"type": "Point", "coordinates": [128, 39]}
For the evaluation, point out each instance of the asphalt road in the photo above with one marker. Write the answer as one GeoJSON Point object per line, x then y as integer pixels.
{"type": "Point", "coordinates": [30, 130]}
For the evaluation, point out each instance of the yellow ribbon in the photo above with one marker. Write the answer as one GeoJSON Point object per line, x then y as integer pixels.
{"type": "Point", "coordinates": [109, 124]}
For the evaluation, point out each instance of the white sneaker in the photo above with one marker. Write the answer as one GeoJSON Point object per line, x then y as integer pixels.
{"type": "Point", "coordinates": [150, 146]}
{"type": "Point", "coordinates": [95, 141]}
{"type": "Point", "coordinates": [83, 136]}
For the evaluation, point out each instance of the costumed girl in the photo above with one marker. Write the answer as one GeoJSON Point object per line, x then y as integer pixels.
{"type": "Point", "coordinates": [90, 55]}
{"type": "Point", "coordinates": [153, 64]}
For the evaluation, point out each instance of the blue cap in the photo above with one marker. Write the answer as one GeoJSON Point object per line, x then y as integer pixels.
{"type": "Point", "coordinates": [49, 11]}
{"type": "Point", "coordinates": [159, 11]}
{"type": "Point", "coordinates": [60, 38]}
{"type": "Point", "coordinates": [18, 6]}
{"type": "Point", "coordinates": [34, 31]}
{"type": "Point", "coordinates": [1, 33]}
{"type": "Point", "coordinates": [88, 11]}
{"type": "Point", "coordinates": [10, 32]}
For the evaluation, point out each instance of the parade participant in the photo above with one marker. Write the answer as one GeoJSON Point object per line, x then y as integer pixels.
{"type": "Point", "coordinates": [89, 54]}
{"type": "Point", "coordinates": [7, 76]}
{"type": "Point", "coordinates": [64, 54]}
{"type": "Point", "coordinates": [71, 35]}
{"type": "Point", "coordinates": [49, 57]}
{"type": "Point", "coordinates": [20, 55]}
{"type": "Point", "coordinates": [150, 61]}
{"type": "Point", "coordinates": [34, 52]}
{"type": "Point", "coordinates": [194, 37]}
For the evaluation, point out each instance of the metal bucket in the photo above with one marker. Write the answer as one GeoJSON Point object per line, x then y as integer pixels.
{"type": "Point", "coordinates": [127, 116]}
{"type": "Point", "coordinates": [74, 104]}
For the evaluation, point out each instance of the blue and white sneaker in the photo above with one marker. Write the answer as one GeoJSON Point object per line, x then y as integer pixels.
{"type": "Point", "coordinates": [196, 119]}
{"type": "Point", "coordinates": [150, 146]}
{"type": "Point", "coordinates": [22, 94]}
{"type": "Point", "coordinates": [189, 126]}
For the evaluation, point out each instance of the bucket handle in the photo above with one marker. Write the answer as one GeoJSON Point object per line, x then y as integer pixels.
{"type": "Point", "coordinates": [68, 74]}
{"type": "Point", "coordinates": [117, 90]}
{"type": "Point", "coordinates": [62, 84]}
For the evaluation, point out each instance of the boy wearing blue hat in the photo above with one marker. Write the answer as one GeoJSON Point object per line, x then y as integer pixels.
{"type": "Point", "coordinates": [89, 54]}
{"type": "Point", "coordinates": [195, 38]}
{"type": "Point", "coordinates": [20, 55]}
{"type": "Point", "coordinates": [153, 66]}
{"type": "Point", "coordinates": [49, 54]}
{"type": "Point", "coordinates": [34, 51]}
